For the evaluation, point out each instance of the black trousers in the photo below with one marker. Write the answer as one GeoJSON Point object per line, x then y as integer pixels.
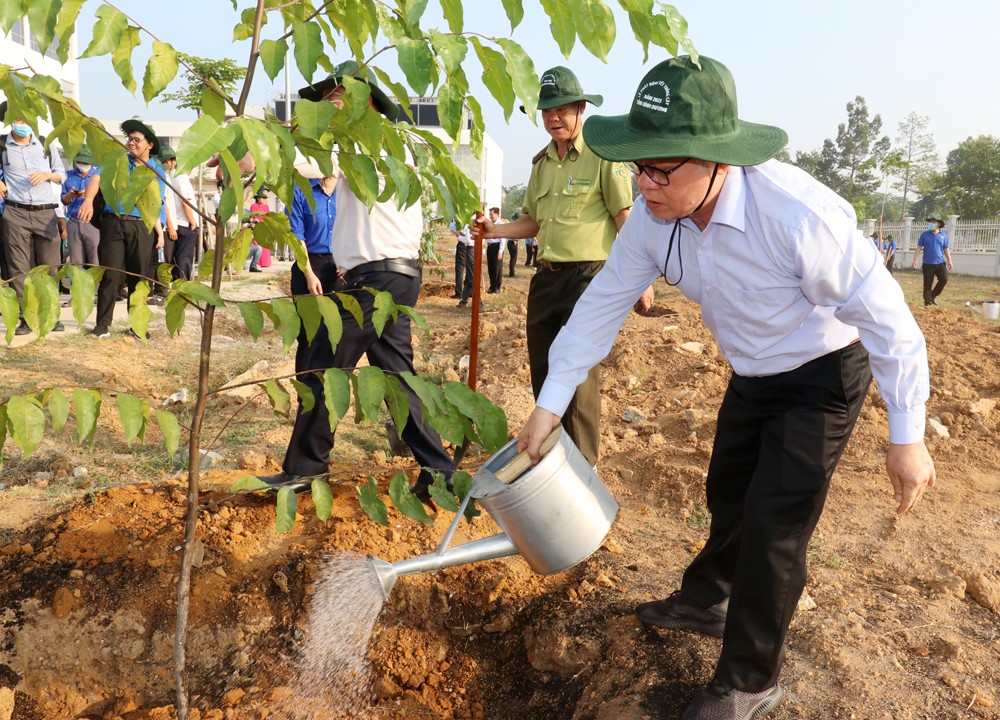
{"type": "Point", "coordinates": [184, 249]}
{"type": "Point", "coordinates": [464, 271]}
{"type": "Point", "coordinates": [552, 296]}
{"type": "Point", "coordinates": [309, 449]}
{"type": "Point", "coordinates": [932, 271]}
{"type": "Point", "coordinates": [494, 266]}
{"type": "Point", "coordinates": [125, 245]}
{"type": "Point", "coordinates": [777, 443]}
{"type": "Point", "coordinates": [531, 255]}
{"type": "Point", "coordinates": [512, 253]}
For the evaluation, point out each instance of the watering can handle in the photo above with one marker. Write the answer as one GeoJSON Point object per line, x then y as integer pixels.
{"type": "Point", "coordinates": [521, 462]}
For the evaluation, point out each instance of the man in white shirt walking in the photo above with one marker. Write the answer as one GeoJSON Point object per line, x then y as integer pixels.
{"type": "Point", "coordinates": [804, 310]}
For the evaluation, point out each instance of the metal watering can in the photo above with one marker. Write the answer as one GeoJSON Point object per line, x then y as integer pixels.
{"type": "Point", "coordinates": [554, 514]}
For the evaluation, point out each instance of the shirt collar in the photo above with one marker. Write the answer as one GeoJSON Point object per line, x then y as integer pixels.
{"type": "Point", "coordinates": [574, 152]}
{"type": "Point", "coordinates": [730, 209]}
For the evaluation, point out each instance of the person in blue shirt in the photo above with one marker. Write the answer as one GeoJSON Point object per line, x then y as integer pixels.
{"type": "Point", "coordinates": [125, 244]}
{"type": "Point", "coordinates": [933, 243]}
{"type": "Point", "coordinates": [889, 251]}
{"type": "Point", "coordinates": [82, 237]}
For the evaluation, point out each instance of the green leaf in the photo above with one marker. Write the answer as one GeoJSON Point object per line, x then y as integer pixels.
{"type": "Point", "coordinates": [384, 309]}
{"type": "Point", "coordinates": [170, 429]}
{"type": "Point", "coordinates": [413, 10]}
{"type": "Point", "coordinates": [522, 73]}
{"type": "Point", "coordinates": [640, 18]}
{"type": "Point", "coordinates": [495, 76]}
{"type": "Point", "coordinates": [417, 63]}
{"type": "Point", "coordinates": [352, 306]}
{"type": "Point", "coordinates": [274, 229]}
{"type": "Point", "coordinates": [414, 316]}
{"type": "Point", "coordinates": [81, 293]}
{"type": "Point", "coordinates": [285, 510]}
{"type": "Point", "coordinates": [288, 321]}
{"type": "Point", "coordinates": [372, 504]}
{"type": "Point", "coordinates": [108, 30]}
{"type": "Point", "coordinates": [308, 44]}
{"type": "Point", "coordinates": [10, 309]}
{"type": "Point", "coordinates": [138, 310]}
{"type": "Point", "coordinates": [121, 57]}
{"type": "Point", "coordinates": [401, 176]}
{"type": "Point", "coordinates": [130, 410]}
{"type": "Point", "coordinates": [160, 71]}
{"type": "Point", "coordinates": [248, 19]}
{"type": "Point", "coordinates": [362, 175]}
{"type": "Point", "coordinates": [175, 307]}
{"type": "Point", "coordinates": [42, 21]}
{"type": "Point", "coordinates": [562, 27]}
{"type": "Point", "coordinates": [281, 401]}
{"type": "Point", "coordinates": [461, 481]}
{"type": "Point", "coordinates": [306, 396]}
{"type": "Point", "coordinates": [309, 313]}
{"type": "Point", "coordinates": [405, 501]}
{"type": "Point", "coordinates": [313, 118]}
{"type": "Point", "coordinates": [201, 141]}
{"type": "Point", "coordinates": [87, 407]}
{"type": "Point", "coordinates": [248, 482]}
{"type": "Point", "coordinates": [441, 495]}
{"type": "Point", "coordinates": [195, 290]}
{"type": "Point", "coordinates": [336, 395]}
{"type": "Point", "coordinates": [272, 56]}
{"type": "Point", "coordinates": [370, 388]}
{"type": "Point", "coordinates": [27, 423]}
{"type": "Point", "coordinates": [10, 12]}
{"type": "Point", "coordinates": [331, 318]}
{"type": "Point", "coordinates": [515, 12]}
{"type": "Point", "coordinates": [263, 145]}
{"type": "Point", "coordinates": [450, 106]}
{"type": "Point", "coordinates": [322, 497]}
{"type": "Point", "coordinates": [58, 409]}
{"type": "Point", "coordinates": [213, 105]}
{"type": "Point", "coordinates": [595, 24]}
{"type": "Point", "coordinates": [453, 14]}
{"type": "Point", "coordinates": [398, 402]}
{"type": "Point", "coordinates": [253, 318]}
{"type": "Point", "coordinates": [451, 48]}
{"type": "Point", "coordinates": [69, 11]}
{"type": "Point", "coordinates": [491, 422]}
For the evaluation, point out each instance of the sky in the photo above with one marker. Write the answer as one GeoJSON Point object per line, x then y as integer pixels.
{"type": "Point", "coordinates": [796, 63]}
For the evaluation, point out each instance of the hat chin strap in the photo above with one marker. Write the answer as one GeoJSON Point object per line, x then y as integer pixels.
{"type": "Point", "coordinates": [676, 233]}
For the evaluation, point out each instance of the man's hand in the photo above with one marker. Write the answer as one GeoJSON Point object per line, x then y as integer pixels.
{"type": "Point", "coordinates": [313, 285]}
{"type": "Point", "coordinates": [540, 425]}
{"type": "Point", "coordinates": [911, 471]}
{"type": "Point", "coordinates": [159, 241]}
{"type": "Point", "coordinates": [86, 212]}
{"type": "Point", "coordinates": [482, 227]}
{"type": "Point", "coordinates": [3, 189]}
{"type": "Point", "coordinates": [37, 178]}
{"type": "Point", "coordinates": [645, 301]}
{"type": "Point", "coordinates": [172, 233]}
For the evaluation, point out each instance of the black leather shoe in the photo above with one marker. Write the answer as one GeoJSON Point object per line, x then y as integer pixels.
{"type": "Point", "coordinates": [676, 613]}
{"type": "Point", "coordinates": [59, 327]}
{"type": "Point", "coordinates": [721, 702]}
{"type": "Point", "coordinates": [22, 329]}
{"type": "Point", "coordinates": [298, 483]}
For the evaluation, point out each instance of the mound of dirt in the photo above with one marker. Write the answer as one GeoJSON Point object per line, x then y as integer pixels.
{"type": "Point", "coordinates": [900, 620]}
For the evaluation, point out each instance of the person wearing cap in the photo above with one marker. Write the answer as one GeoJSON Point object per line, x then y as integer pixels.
{"type": "Point", "coordinates": [574, 204]}
{"type": "Point", "coordinates": [376, 248]}
{"type": "Point", "coordinates": [800, 304]}
{"type": "Point", "coordinates": [125, 244]}
{"type": "Point", "coordinates": [31, 235]}
{"type": "Point", "coordinates": [180, 218]}
{"type": "Point", "coordinates": [82, 238]}
{"type": "Point", "coordinates": [933, 243]}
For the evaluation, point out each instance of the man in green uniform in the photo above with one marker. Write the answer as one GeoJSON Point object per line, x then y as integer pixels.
{"type": "Point", "coordinates": [574, 204]}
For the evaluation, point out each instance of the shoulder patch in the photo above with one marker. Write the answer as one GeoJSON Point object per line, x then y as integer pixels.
{"type": "Point", "coordinates": [539, 155]}
{"type": "Point", "coordinates": [622, 171]}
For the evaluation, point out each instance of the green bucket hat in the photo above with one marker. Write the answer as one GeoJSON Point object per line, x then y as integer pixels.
{"type": "Point", "coordinates": [559, 86]}
{"type": "Point", "coordinates": [680, 111]}
{"type": "Point", "coordinates": [167, 153]}
{"type": "Point", "coordinates": [381, 101]}
{"type": "Point", "coordinates": [84, 155]}
{"type": "Point", "coordinates": [137, 125]}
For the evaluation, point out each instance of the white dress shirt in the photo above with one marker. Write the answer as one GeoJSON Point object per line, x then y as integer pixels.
{"type": "Point", "coordinates": [783, 276]}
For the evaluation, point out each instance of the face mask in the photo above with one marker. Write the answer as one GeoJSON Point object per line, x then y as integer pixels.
{"type": "Point", "coordinates": [932, 226]}
{"type": "Point", "coordinates": [21, 130]}
{"type": "Point", "coordinates": [84, 167]}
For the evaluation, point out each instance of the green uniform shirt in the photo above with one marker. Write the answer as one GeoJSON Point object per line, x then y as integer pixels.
{"type": "Point", "coordinates": [574, 200]}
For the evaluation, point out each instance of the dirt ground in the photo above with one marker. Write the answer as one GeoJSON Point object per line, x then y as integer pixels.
{"type": "Point", "coordinates": [902, 619]}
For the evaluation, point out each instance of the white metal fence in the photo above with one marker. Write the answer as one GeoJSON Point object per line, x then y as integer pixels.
{"type": "Point", "coordinates": [974, 244]}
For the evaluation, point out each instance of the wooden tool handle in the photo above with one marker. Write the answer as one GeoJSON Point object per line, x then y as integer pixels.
{"type": "Point", "coordinates": [521, 462]}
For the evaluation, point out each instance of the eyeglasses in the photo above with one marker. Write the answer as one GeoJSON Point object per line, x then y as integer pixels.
{"type": "Point", "coordinates": [657, 176]}
{"type": "Point", "coordinates": [135, 140]}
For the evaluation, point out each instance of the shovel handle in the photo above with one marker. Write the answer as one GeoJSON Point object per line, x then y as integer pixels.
{"type": "Point", "coordinates": [521, 462]}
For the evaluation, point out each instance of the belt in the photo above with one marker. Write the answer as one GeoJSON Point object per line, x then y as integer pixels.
{"type": "Point", "coordinates": [27, 206]}
{"type": "Point", "coordinates": [128, 218]}
{"type": "Point", "coordinates": [557, 266]}
{"type": "Point", "coordinates": [401, 266]}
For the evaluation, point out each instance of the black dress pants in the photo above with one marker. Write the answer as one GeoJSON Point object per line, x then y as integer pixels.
{"type": "Point", "coordinates": [932, 272]}
{"type": "Point", "coordinates": [512, 253]}
{"type": "Point", "coordinates": [184, 249]}
{"type": "Point", "coordinates": [312, 441]}
{"type": "Point", "coordinates": [494, 266]}
{"type": "Point", "coordinates": [125, 245]}
{"type": "Point", "coordinates": [777, 443]}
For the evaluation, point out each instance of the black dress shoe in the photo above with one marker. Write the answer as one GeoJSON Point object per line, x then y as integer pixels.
{"type": "Point", "coordinates": [22, 329]}
{"type": "Point", "coordinates": [677, 613]}
{"type": "Point", "coordinates": [59, 327]}
{"type": "Point", "coordinates": [298, 483]}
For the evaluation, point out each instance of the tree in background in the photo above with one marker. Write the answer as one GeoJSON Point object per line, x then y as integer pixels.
{"type": "Point", "coordinates": [919, 154]}
{"type": "Point", "coordinates": [969, 185]}
{"type": "Point", "coordinates": [201, 73]}
{"type": "Point", "coordinates": [513, 200]}
{"type": "Point", "coordinates": [819, 165]}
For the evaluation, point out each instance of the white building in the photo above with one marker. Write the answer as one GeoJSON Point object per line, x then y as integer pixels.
{"type": "Point", "coordinates": [20, 51]}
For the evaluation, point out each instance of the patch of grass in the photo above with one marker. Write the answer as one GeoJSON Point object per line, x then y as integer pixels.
{"type": "Point", "coordinates": [700, 517]}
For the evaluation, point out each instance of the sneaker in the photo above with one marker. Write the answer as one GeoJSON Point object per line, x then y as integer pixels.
{"type": "Point", "coordinates": [720, 702]}
{"type": "Point", "coordinates": [22, 329]}
{"type": "Point", "coordinates": [100, 331]}
{"type": "Point", "coordinates": [298, 483]}
{"type": "Point", "coordinates": [676, 613]}
{"type": "Point", "coordinates": [135, 336]}
{"type": "Point", "coordinates": [157, 300]}
{"type": "Point", "coordinates": [59, 327]}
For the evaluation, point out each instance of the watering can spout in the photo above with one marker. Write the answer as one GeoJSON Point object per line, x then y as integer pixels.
{"type": "Point", "coordinates": [490, 548]}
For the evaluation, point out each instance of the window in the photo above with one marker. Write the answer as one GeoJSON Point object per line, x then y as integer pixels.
{"type": "Point", "coordinates": [17, 32]}
{"type": "Point", "coordinates": [51, 52]}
